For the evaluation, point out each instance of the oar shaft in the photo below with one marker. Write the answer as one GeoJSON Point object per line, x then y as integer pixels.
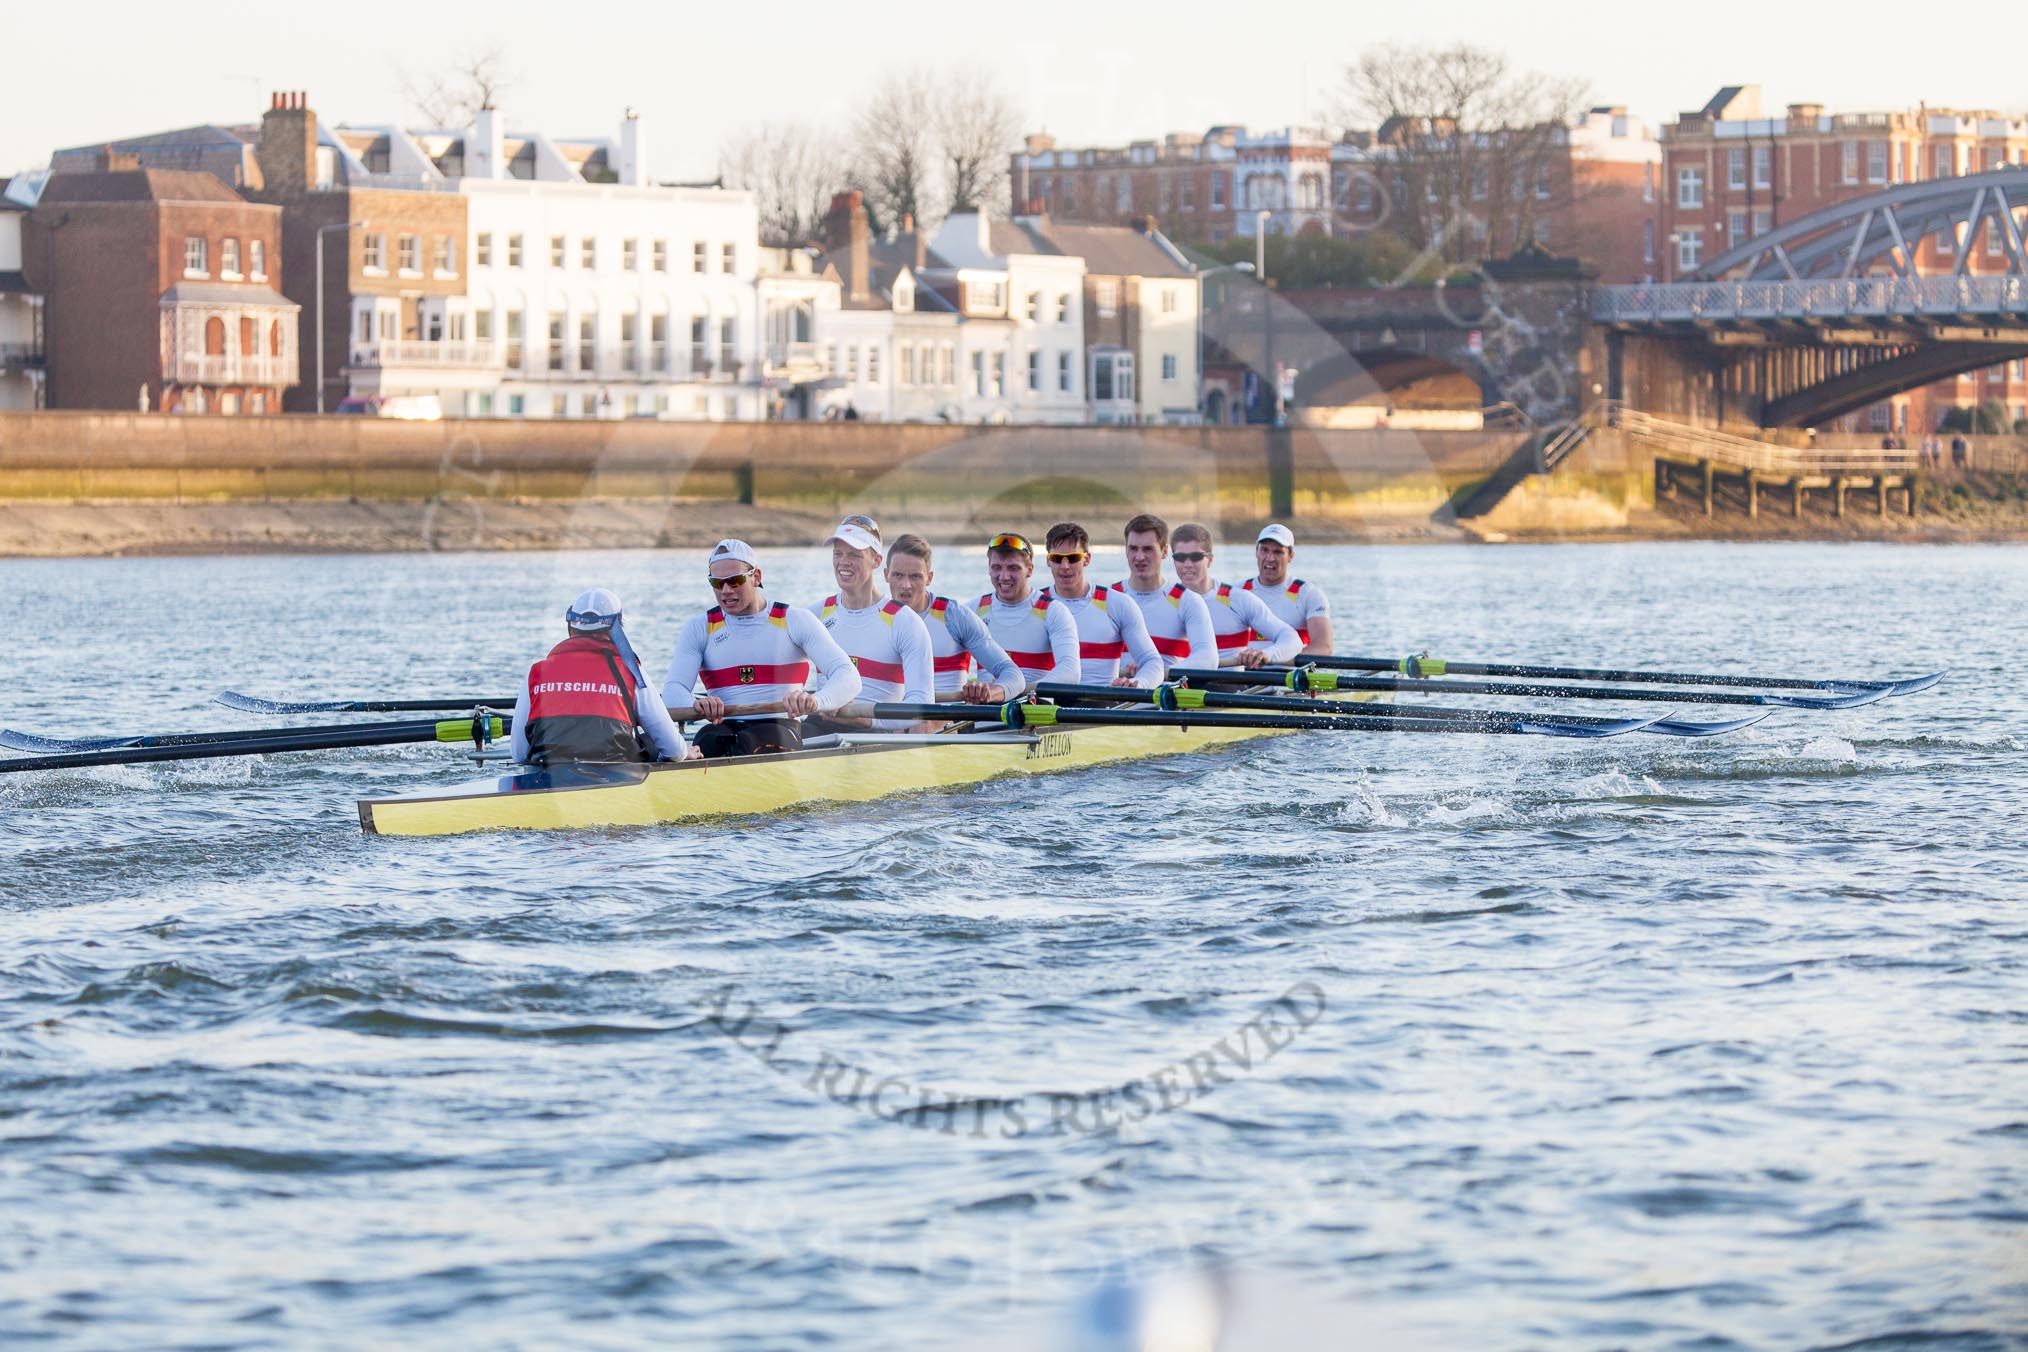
{"type": "Point", "coordinates": [368, 734]}
{"type": "Point", "coordinates": [1052, 715]}
{"type": "Point", "coordinates": [1331, 680]}
{"type": "Point", "coordinates": [253, 704]}
{"type": "Point", "coordinates": [1212, 699]}
{"type": "Point", "coordinates": [1436, 666]}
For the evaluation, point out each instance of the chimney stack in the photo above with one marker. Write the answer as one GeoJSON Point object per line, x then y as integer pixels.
{"type": "Point", "coordinates": [287, 153]}
{"type": "Point", "coordinates": [845, 234]}
{"type": "Point", "coordinates": [632, 170]}
{"type": "Point", "coordinates": [486, 145]}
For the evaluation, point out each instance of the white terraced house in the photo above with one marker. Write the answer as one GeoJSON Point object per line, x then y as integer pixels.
{"type": "Point", "coordinates": [1021, 341]}
{"type": "Point", "coordinates": [590, 291]}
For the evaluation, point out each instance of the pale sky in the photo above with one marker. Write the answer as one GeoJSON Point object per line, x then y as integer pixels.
{"type": "Point", "coordinates": [1088, 71]}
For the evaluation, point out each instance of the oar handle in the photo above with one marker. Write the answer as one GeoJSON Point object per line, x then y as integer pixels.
{"type": "Point", "coordinates": [689, 714]}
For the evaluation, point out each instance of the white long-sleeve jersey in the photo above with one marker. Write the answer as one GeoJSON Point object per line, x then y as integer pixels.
{"type": "Point", "coordinates": [1242, 620]}
{"type": "Point", "coordinates": [758, 659]}
{"type": "Point", "coordinates": [650, 714]}
{"type": "Point", "coordinates": [1179, 624]}
{"type": "Point", "coordinates": [1108, 630]}
{"type": "Point", "coordinates": [1039, 636]}
{"type": "Point", "coordinates": [957, 637]}
{"type": "Point", "coordinates": [890, 646]}
{"type": "Point", "coordinates": [1295, 601]}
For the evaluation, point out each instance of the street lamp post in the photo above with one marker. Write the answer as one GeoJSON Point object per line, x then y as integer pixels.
{"type": "Point", "coordinates": [322, 231]}
{"type": "Point", "coordinates": [1271, 375]}
{"type": "Point", "coordinates": [1202, 274]}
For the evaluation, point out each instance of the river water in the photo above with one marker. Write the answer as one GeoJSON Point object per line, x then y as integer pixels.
{"type": "Point", "coordinates": [1409, 1042]}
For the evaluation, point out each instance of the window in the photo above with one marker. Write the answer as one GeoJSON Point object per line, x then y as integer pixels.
{"type": "Point", "coordinates": [873, 366]}
{"type": "Point", "coordinates": [1690, 248]}
{"type": "Point", "coordinates": [1947, 239]}
{"type": "Point", "coordinates": [1542, 183]}
{"type": "Point", "coordinates": [457, 323]}
{"type": "Point", "coordinates": [558, 250]}
{"type": "Point", "coordinates": [588, 254]}
{"type": "Point", "coordinates": [257, 259]}
{"type": "Point", "coordinates": [1189, 192]}
{"type": "Point", "coordinates": [1035, 306]}
{"type": "Point", "coordinates": [728, 258]}
{"type": "Point", "coordinates": [1000, 373]}
{"type": "Point", "coordinates": [979, 374]}
{"type": "Point", "coordinates": [408, 255]}
{"type": "Point", "coordinates": [1063, 372]}
{"type": "Point", "coordinates": [1647, 241]}
{"type": "Point", "coordinates": [1943, 161]}
{"type": "Point", "coordinates": [1763, 165]}
{"type": "Point", "coordinates": [444, 256]}
{"type": "Point", "coordinates": [514, 341]}
{"type": "Point", "coordinates": [1362, 198]}
{"type": "Point", "coordinates": [700, 346]}
{"type": "Point", "coordinates": [661, 255]}
{"type": "Point", "coordinates": [214, 337]}
{"type": "Point", "coordinates": [630, 255]}
{"type": "Point", "coordinates": [1648, 182]}
{"type": "Point", "coordinates": [1763, 221]}
{"type": "Point", "coordinates": [1876, 161]}
{"type": "Point", "coordinates": [373, 254]}
{"type": "Point", "coordinates": [1168, 198]}
{"type": "Point", "coordinates": [630, 350]}
{"type": "Point", "coordinates": [556, 343]}
{"type": "Point", "coordinates": [433, 326]}
{"type": "Point", "coordinates": [658, 342]}
{"type": "Point", "coordinates": [1108, 298]}
{"type": "Point", "coordinates": [908, 363]}
{"type": "Point", "coordinates": [1112, 377]}
{"type": "Point", "coordinates": [482, 326]}
{"type": "Point", "coordinates": [699, 256]}
{"type": "Point", "coordinates": [1168, 300]}
{"type": "Point", "coordinates": [1218, 190]}
{"type": "Point", "coordinates": [193, 256]}
{"type": "Point", "coordinates": [728, 357]}
{"type": "Point", "coordinates": [587, 342]}
{"type": "Point", "coordinates": [366, 326]}
{"type": "Point", "coordinates": [1481, 183]}
{"type": "Point", "coordinates": [852, 364]}
{"type": "Point", "coordinates": [947, 366]}
{"type": "Point", "coordinates": [1994, 246]}
{"type": "Point", "coordinates": [228, 258]}
{"type": "Point", "coordinates": [1735, 167]}
{"type": "Point", "coordinates": [1541, 231]}
{"type": "Point", "coordinates": [1735, 226]}
{"type": "Point", "coordinates": [513, 251]}
{"type": "Point", "coordinates": [1063, 308]}
{"type": "Point", "coordinates": [482, 250]}
{"type": "Point", "coordinates": [1848, 161]}
{"type": "Point", "coordinates": [1035, 373]}
{"type": "Point", "coordinates": [1689, 187]}
{"type": "Point", "coordinates": [1169, 368]}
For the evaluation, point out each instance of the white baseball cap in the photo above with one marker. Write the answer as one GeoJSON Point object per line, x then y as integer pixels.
{"type": "Point", "coordinates": [1279, 533]}
{"type": "Point", "coordinates": [854, 533]}
{"type": "Point", "coordinates": [733, 549]}
{"type": "Point", "coordinates": [594, 609]}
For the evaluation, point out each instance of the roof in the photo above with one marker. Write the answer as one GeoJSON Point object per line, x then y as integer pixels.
{"type": "Point", "coordinates": [225, 151]}
{"type": "Point", "coordinates": [226, 293]}
{"type": "Point", "coordinates": [1113, 250]}
{"type": "Point", "coordinates": [1016, 237]}
{"type": "Point", "coordinates": [139, 185]}
{"type": "Point", "coordinates": [886, 260]}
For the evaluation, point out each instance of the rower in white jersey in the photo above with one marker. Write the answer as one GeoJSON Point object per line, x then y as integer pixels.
{"type": "Point", "coordinates": [759, 650]}
{"type": "Point", "coordinates": [1179, 625]}
{"type": "Point", "coordinates": [1301, 604]}
{"type": "Point", "coordinates": [1249, 633]}
{"type": "Point", "coordinates": [885, 639]}
{"type": "Point", "coordinates": [1107, 630]}
{"type": "Point", "coordinates": [1039, 636]}
{"type": "Point", "coordinates": [957, 634]}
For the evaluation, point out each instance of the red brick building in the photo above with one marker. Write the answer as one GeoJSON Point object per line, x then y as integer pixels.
{"type": "Point", "coordinates": [1731, 174]}
{"type": "Point", "coordinates": [160, 288]}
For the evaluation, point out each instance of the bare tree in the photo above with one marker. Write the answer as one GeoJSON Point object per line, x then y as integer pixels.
{"type": "Point", "coordinates": [897, 140]}
{"type": "Point", "coordinates": [792, 169]}
{"type": "Point", "coordinates": [977, 127]}
{"type": "Point", "coordinates": [451, 96]}
{"type": "Point", "coordinates": [1468, 148]}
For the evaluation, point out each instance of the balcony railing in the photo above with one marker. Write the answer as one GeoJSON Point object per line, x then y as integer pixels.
{"type": "Point", "coordinates": [420, 352]}
{"type": "Point", "coordinates": [20, 354]}
{"type": "Point", "coordinates": [212, 369]}
{"type": "Point", "coordinates": [1829, 299]}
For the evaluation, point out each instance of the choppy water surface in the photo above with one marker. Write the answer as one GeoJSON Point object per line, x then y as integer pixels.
{"type": "Point", "coordinates": [1642, 1043]}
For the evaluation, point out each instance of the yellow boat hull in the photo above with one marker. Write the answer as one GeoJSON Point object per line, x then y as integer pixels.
{"type": "Point", "coordinates": [630, 795]}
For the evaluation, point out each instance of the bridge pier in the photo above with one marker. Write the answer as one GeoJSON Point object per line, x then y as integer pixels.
{"type": "Point", "coordinates": [1752, 496]}
{"type": "Point", "coordinates": [1710, 483]}
{"type": "Point", "coordinates": [1837, 495]}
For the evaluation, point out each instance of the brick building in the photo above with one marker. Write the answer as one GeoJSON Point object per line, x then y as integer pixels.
{"type": "Point", "coordinates": [1730, 173]}
{"type": "Point", "coordinates": [160, 291]}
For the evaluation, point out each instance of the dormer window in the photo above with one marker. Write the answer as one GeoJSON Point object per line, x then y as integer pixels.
{"type": "Point", "coordinates": [904, 297]}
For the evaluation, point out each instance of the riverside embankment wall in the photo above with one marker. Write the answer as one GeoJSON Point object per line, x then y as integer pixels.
{"type": "Point", "coordinates": [959, 481]}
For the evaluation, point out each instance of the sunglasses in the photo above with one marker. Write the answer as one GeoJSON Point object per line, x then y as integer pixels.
{"type": "Point", "coordinates": [1069, 558]}
{"type": "Point", "coordinates": [739, 579]}
{"type": "Point", "coordinates": [1194, 557]}
{"type": "Point", "coordinates": [1010, 541]}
